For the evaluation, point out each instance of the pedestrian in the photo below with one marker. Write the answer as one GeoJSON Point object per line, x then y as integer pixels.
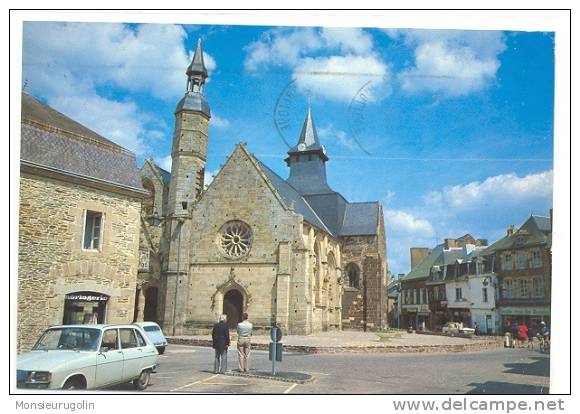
{"type": "Point", "coordinates": [531, 334]}
{"type": "Point", "coordinates": [220, 336]}
{"type": "Point", "coordinates": [522, 334]}
{"type": "Point", "coordinates": [244, 345]}
{"type": "Point", "coordinates": [476, 328]}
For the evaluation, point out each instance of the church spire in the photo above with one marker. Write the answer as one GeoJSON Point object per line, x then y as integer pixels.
{"type": "Point", "coordinates": [308, 141]}
{"type": "Point", "coordinates": [196, 71]}
{"type": "Point", "coordinates": [307, 161]}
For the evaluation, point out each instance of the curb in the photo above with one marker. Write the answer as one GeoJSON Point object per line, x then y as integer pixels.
{"type": "Point", "coordinates": [354, 349]}
{"type": "Point", "coordinates": [270, 377]}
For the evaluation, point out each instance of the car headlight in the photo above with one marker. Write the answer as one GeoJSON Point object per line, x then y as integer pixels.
{"type": "Point", "coordinates": [39, 376]}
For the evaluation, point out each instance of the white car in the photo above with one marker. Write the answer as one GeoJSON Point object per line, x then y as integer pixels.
{"type": "Point", "coordinates": [88, 357]}
{"type": "Point", "coordinates": [155, 334]}
{"type": "Point", "coordinates": [456, 328]}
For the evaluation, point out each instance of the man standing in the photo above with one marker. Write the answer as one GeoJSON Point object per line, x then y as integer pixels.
{"type": "Point", "coordinates": [244, 345]}
{"type": "Point", "coordinates": [220, 335]}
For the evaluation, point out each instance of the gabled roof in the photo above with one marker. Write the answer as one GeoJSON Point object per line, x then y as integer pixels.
{"type": "Point", "coordinates": [536, 230]}
{"type": "Point", "coordinates": [291, 197]}
{"type": "Point", "coordinates": [53, 141]}
{"type": "Point", "coordinates": [423, 269]}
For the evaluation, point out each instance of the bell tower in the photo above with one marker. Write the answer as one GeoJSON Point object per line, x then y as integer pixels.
{"type": "Point", "coordinates": [188, 154]}
{"type": "Point", "coordinates": [190, 139]}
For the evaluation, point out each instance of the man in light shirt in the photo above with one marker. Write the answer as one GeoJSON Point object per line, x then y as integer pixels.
{"type": "Point", "coordinates": [244, 346]}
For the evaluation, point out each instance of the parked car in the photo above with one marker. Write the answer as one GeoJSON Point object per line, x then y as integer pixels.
{"type": "Point", "coordinates": [88, 357]}
{"type": "Point", "coordinates": [456, 328]}
{"type": "Point", "coordinates": [155, 334]}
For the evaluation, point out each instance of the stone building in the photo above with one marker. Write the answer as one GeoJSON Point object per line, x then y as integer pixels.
{"type": "Point", "coordinates": [292, 252]}
{"type": "Point", "coordinates": [444, 283]}
{"type": "Point", "coordinates": [80, 200]}
{"type": "Point", "coordinates": [523, 262]}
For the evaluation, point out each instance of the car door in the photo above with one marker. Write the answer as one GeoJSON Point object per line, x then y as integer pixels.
{"type": "Point", "coordinates": [109, 359]}
{"type": "Point", "coordinates": [149, 351]}
{"type": "Point", "coordinates": [133, 354]}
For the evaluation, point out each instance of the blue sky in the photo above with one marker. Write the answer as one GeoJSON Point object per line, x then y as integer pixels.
{"type": "Point", "coordinates": [451, 130]}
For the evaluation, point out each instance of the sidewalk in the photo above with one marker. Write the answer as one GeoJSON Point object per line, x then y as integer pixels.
{"type": "Point", "coordinates": [353, 341]}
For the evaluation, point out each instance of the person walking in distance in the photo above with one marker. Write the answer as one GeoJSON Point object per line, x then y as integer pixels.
{"type": "Point", "coordinates": [220, 336]}
{"type": "Point", "coordinates": [244, 346]}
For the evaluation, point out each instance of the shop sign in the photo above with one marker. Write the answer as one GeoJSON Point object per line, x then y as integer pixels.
{"type": "Point", "coordinates": [87, 297]}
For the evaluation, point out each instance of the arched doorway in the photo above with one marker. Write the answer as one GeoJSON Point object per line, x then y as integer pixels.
{"type": "Point", "coordinates": [233, 307]}
{"type": "Point", "coordinates": [150, 311]}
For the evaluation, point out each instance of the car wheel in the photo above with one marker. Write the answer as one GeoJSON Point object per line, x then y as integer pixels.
{"type": "Point", "coordinates": [161, 350]}
{"type": "Point", "coordinates": [143, 381]}
{"type": "Point", "coordinates": [73, 384]}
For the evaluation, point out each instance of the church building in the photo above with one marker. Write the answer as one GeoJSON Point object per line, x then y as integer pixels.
{"type": "Point", "coordinates": [288, 251]}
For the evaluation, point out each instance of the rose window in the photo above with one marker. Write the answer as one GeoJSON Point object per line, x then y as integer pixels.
{"type": "Point", "coordinates": [235, 239]}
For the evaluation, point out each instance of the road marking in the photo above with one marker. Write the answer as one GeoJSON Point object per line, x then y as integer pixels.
{"type": "Point", "coordinates": [317, 373]}
{"type": "Point", "coordinates": [224, 383]}
{"type": "Point", "coordinates": [290, 388]}
{"type": "Point", "coordinates": [193, 383]}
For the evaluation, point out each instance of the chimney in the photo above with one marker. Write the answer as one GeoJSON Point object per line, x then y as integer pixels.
{"type": "Point", "coordinates": [418, 254]}
{"type": "Point", "coordinates": [511, 230]}
{"type": "Point", "coordinates": [449, 243]}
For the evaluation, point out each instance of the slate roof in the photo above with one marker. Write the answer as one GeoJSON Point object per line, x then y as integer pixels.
{"type": "Point", "coordinates": [324, 210]}
{"type": "Point", "coordinates": [292, 198]}
{"type": "Point", "coordinates": [536, 230]}
{"type": "Point", "coordinates": [308, 141]}
{"type": "Point", "coordinates": [423, 269]}
{"type": "Point", "coordinates": [360, 219]}
{"type": "Point", "coordinates": [51, 139]}
{"type": "Point", "coordinates": [165, 175]}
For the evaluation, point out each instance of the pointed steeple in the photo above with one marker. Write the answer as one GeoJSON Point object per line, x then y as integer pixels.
{"type": "Point", "coordinates": [307, 161]}
{"type": "Point", "coordinates": [196, 77]}
{"type": "Point", "coordinates": [197, 66]}
{"type": "Point", "coordinates": [308, 141]}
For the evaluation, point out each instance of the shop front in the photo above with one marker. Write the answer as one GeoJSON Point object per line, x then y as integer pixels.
{"type": "Point", "coordinates": [531, 316]}
{"type": "Point", "coordinates": [85, 308]}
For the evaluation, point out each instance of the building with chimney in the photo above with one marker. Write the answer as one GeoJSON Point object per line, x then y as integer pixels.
{"type": "Point", "coordinates": [523, 263]}
{"type": "Point", "coordinates": [288, 251]}
{"type": "Point", "coordinates": [453, 282]}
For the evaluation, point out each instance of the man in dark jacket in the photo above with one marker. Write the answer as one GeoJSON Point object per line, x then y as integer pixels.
{"type": "Point", "coordinates": [220, 336]}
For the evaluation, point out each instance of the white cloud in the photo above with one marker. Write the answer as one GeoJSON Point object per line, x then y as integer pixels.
{"type": "Point", "coordinates": [118, 121]}
{"type": "Point", "coordinates": [450, 62]}
{"type": "Point", "coordinates": [219, 122]}
{"type": "Point", "coordinates": [68, 63]}
{"type": "Point", "coordinates": [500, 190]}
{"type": "Point", "coordinates": [341, 78]}
{"type": "Point", "coordinates": [330, 134]}
{"type": "Point", "coordinates": [403, 222]}
{"type": "Point", "coordinates": [164, 162]}
{"type": "Point", "coordinates": [333, 63]}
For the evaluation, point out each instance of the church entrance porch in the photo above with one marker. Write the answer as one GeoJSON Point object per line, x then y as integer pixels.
{"type": "Point", "coordinates": [233, 307]}
{"type": "Point", "coordinates": [150, 311]}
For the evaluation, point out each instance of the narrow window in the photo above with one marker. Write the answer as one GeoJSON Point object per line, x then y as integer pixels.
{"type": "Point", "coordinates": [508, 289]}
{"type": "Point", "coordinates": [536, 261]}
{"type": "Point", "coordinates": [537, 287]}
{"type": "Point", "coordinates": [523, 284]}
{"type": "Point", "coordinates": [92, 236]}
{"type": "Point", "coordinates": [521, 261]}
{"type": "Point", "coordinates": [458, 294]}
{"type": "Point", "coordinates": [507, 262]}
{"type": "Point", "coordinates": [484, 293]}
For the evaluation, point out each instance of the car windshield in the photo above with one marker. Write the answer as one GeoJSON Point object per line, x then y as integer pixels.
{"type": "Point", "coordinates": [78, 339]}
{"type": "Point", "coordinates": [151, 328]}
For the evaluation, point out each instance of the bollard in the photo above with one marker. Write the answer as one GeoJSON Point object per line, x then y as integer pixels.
{"type": "Point", "coordinates": [276, 348]}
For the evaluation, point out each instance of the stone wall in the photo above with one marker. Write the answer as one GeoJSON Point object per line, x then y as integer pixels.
{"type": "Point", "coordinates": [368, 303]}
{"type": "Point", "coordinates": [52, 262]}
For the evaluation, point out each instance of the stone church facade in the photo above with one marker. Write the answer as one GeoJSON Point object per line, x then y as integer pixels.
{"type": "Point", "coordinates": [291, 252]}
